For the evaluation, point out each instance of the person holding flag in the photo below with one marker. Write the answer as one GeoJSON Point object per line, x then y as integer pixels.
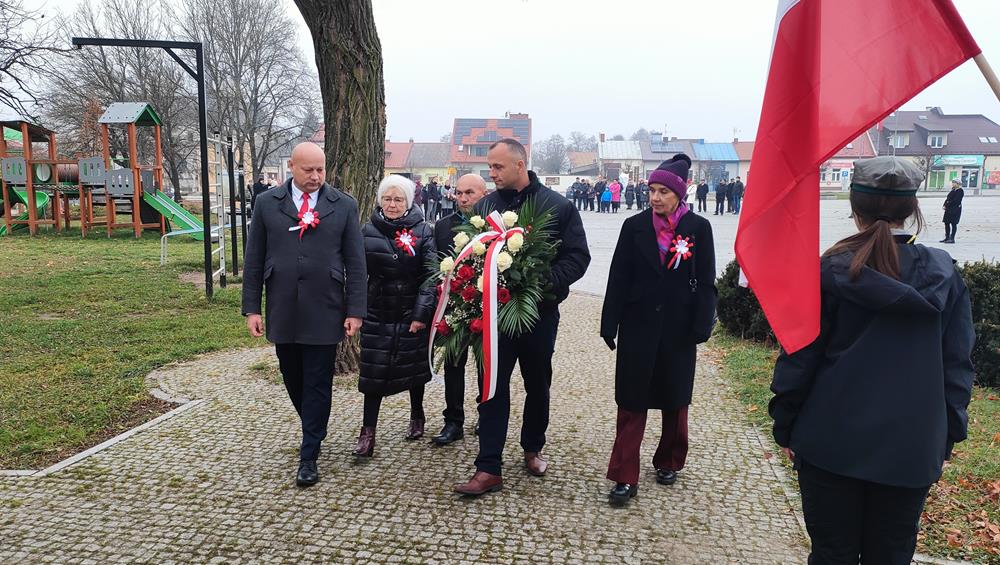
{"type": "Point", "coordinates": [533, 350]}
{"type": "Point", "coordinates": [869, 411]}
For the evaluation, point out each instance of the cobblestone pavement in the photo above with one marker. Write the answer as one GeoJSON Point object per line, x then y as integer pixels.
{"type": "Point", "coordinates": [215, 484]}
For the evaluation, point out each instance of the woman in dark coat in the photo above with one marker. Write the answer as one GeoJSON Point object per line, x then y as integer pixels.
{"type": "Point", "coordinates": [660, 303]}
{"type": "Point", "coordinates": [398, 244]}
{"type": "Point", "coordinates": [629, 195]}
{"type": "Point", "coordinates": [953, 211]}
{"type": "Point", "coordinates": [870, 410]}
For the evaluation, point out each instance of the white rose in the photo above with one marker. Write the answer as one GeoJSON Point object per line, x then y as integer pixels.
{"type": "Point", "coordinates": [515, 243]}
{"type": "Point", "coordinates": [461, 240]}
{"type": "Point", "coordinates": [509, 219]}
{"type": "Point", "coordinates": [504, 261]}
{"type": "Point", "coordinates": [447, 264]}
{"type": "Point", "coordinates": [478, 222]}
{"type": "Point", "coordinates": [478, 248]}
{"type": "Point", "coordinates": [479, 283]}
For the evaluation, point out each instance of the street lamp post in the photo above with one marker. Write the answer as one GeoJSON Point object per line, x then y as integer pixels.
{"type": "Point", "coordinates": [198, 74]}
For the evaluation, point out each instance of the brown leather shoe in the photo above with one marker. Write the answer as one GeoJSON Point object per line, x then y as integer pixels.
{"type": "Point", "coordinates": [535, 463]}
{"type": "Point", "coordinates": [366, 442]}
{"type": "Point", "coordinates": [416, 430]}
{"type": "Point", "coordinates": [480, 483]}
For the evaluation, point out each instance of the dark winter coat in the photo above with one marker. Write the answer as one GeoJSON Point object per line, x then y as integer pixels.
{"type": "Point", "coordinates": [444, 232]}
{"type": "Point", "coordinates": [573, 254]}
{"type": "Point", "coordinates": [311, 283]}
{"type": "Point", "coordinates": [721, 192]}
{"type": "Point", "coordinates": [953, 206]}
{"type": "Point", "coordinates": [642, 193]}
{"type": "Point", "coordinates": [659, 315]}
{"type": "Point", "coordinates": [881, 395]}
{"type": "Point", "coordinates": [738, 189]}
{"type": "Point", "coordinates": [702, 191]}
{"type": "Point", "coordinates": [392, 358]}
{"type": "Point", "coordinates": [629, 194]}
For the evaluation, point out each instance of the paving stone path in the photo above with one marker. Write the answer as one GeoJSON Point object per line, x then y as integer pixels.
{"type": "Point", "coordinates": [214, 484]}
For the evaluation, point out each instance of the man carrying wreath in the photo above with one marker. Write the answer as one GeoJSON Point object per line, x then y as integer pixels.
{"type": "Point", "coordinates": [516, 185]}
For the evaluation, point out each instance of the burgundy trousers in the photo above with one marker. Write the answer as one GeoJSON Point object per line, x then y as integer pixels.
{"type": "Point", "coordinates": [670, 454]}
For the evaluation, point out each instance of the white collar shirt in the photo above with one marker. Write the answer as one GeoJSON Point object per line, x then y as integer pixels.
{"type": "Point", "coordinates": [297, 197]}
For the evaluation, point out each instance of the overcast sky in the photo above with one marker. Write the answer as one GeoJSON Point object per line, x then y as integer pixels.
{"type": "Point", "coordinates": [695, 69]}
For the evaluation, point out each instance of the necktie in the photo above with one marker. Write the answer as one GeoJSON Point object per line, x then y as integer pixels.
{"type": "Point", "coordinates": [305, 204]}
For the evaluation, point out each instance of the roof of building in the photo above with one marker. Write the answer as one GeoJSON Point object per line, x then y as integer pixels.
{"type": "Point", "coordinates": [138, 113]}
{"type": "Point", "coordinates": [619, 151]}
{"type": "Point", "coordinates": [396, 154]}
{"type": "Point", "coordinates": [428, 155]}
{"type": "Point", "coordinates": [468, 132]}
{"type": "Point", "coordinates": [659, 149]}
{"type": "Point", "coordinates": [744, 149]}
{"type": "Point", "coordinates": [581, 158]}
{"type": "Point", "coordinates": [860, 148]}
{"type": "Point", "coordinates": [12, 131]}
{"type": "Point", "coordinates": [715, 152]}
{"type": "Point", "coordinates": [968, 134]}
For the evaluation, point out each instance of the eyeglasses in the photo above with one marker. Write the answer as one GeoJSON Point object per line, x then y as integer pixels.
{"type": "Point", "coordinates": [393, 200]}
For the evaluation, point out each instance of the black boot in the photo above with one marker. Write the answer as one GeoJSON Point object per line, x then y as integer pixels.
{"type": "Point", "coordinates": [307, 475]}
{"type": "Point", "coordinates": [666, 476]}
{"type": "Point", "coordinates": [622, 494]}
{"type": "Point", "coordinates": [450, 433]}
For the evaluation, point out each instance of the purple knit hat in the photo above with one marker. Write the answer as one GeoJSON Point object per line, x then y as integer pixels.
{"type": "Point", "coordinates": [673, 174]}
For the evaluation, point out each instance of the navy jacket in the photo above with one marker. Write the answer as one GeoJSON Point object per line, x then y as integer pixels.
{"type": "Point", "coordinates": [311, 283]}
{"type": "Point", "coordinates": [573, 255]}
{"type": "Point", "coordinates": [881, 395]}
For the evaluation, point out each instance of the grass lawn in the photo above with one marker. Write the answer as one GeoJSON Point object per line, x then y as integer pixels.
{"type": "Point", "coordinates": [962, 516]}
{"type": "Point", "coordinates": [83, 322]}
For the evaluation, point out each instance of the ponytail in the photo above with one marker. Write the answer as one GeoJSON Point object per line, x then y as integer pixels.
{"type": "Point", "coordinates": [877, 250]}
{"type": "Point", "coordinates": [874, 246]}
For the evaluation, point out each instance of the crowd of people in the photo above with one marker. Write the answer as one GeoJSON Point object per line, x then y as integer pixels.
{"type": "Point", "coordinates": [896, 324]}
{"type": "Point", "coordinates": [606, 197]}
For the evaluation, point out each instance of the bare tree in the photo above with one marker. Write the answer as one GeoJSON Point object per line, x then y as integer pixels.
{"type": "Point", "coordinates": [549, 156]}
{"type": "Point", "coordinates": [618, 137]}
{"type": "Point", "coordinates": [27, 43]}
{"type": "Point", "coordinates": [256, 80]}
{"type": "Point", "coordinates": [578, 141]}
{"type": "Point", "coordinates": [349, 58]}
{"type": "Point", "coordinates": [641, 134]}
{"type": "Point", "coordinates": [91, 79]}
{"type": "Point", "coordinates": [446, 138]}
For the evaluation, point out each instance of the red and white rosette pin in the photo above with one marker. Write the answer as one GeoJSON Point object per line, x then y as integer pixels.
{"type": "Point", "coordinates": [307, 219]}
{"type": "Point", "coordinates": [681, 248]}
{"type": "Point", "coordinates": [406, 241]}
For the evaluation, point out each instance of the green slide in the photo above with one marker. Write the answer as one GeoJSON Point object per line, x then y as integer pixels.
{"type": "Point", "coordinates": [178, 217]}
{"type": "Point", "coordinates": [21, 196]}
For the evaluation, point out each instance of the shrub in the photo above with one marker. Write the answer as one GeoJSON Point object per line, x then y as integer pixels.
{"type": "Point", "coordinates": [739, 312]}
{"type": "Point", "coordinates": [983, 280]}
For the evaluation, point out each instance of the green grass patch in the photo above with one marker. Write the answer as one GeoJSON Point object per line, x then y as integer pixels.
{"type": "Point", "coordinates": [962, 516]}
{"type": "Point", "coordinates": [84, 320]}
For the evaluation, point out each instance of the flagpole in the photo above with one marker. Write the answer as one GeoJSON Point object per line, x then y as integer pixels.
{"type": "Point", "coordinates": [987, 70]}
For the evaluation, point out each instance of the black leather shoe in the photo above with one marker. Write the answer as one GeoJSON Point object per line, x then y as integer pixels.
{"type": "Point", "coordinates": [450, 433]}
{"type": "Point", "coordinates": [666, 477]}
{"type": "Point", "coordinates": [307, 475]}
{"type": "Point", "coordinates": [622, 494]}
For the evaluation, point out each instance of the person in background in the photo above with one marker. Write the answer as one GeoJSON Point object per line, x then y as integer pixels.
{"type": "Point", "coordinates": [730, 196]}
{"type": "Point", "coordinates": [259, 187]}
{"type": "Point", "coordinates": [471, 188]}
{"type": "Point", "coordinates": [738, 189]}
{"type": "Point", "coordinates": [721, 194]}
{"type": "Point", "coordinates": [870, 410]}
{"type": "Point", "coordinates": [629, 195]}
{"type": "Point", "coordinates": [399, 247]}
{"type": "Point", "coordinates": [702, 195]}
{"type": "Point", "coordinates": [953, 211]}
{"type": "Point", "coordinates": [447, 200]}
{"type": "Point", "coordinates": [659, 304]}
{"type": "Point", "coordinates": [642, 195]}
{"type": "Point", "coordinates": [616, 195]}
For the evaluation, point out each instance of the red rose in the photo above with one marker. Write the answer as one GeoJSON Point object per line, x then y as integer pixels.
{"type": "Point", "coordinates": [456, 285]}
{"type": "Point", "coordinates": [469, 293]}
{"type": "Point", "coordinates": [503, 295]}
{"type": "Point", "coordinates": [476, 326]}
{"type": "Point", "coordinates": [443, 328]}
{"type": "Point", "coordinates": [465, 273]}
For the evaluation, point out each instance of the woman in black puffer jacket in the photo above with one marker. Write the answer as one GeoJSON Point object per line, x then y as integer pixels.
{"type": "Point", "coordinates": [398, 245]}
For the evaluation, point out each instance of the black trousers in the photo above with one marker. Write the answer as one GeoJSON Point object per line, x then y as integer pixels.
{"type": "Point", "coordinates": [853, 521]}
{"type": "Point", "coordinates": [703, 203]}
{"type": "Point", "coordinates": [454, 390]}
{"type": "Point", "coordinates": [307, 371]}
{"type": "Point", "coordinates": [590, 204]}
{"type": "Point", "coordinates": [720, 206]}
{"type": "Point", "coordinates": [950, 230]}
{"type": "Point", "coordinates": [533, 351]}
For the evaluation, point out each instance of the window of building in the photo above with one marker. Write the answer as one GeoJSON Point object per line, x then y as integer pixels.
{"type": "Point", "coordinates": [486, 175]}
{"type": "Point", "coordinates": [984, 140]}
{"type": "Point", "coordinates": [822, 175]}
{"type": "Point", "coordinates": [899, 140]}
{"type": "Point", "coordinates": [835, 175]}
{"type": "Point", "coordinates": [936, 179]}
{"type": "Point", "coordinates": [992, 139]}
{"type": "Point", "coordinates": [478, 150]}
{"type": "Point", "coordinates": [936, 141]}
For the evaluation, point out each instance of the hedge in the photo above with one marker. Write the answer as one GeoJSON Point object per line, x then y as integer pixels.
{"type": "Point", "coordinates": [741, 316]}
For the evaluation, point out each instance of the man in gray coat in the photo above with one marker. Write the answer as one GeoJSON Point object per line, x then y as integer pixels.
{"type": "Point", "coordinates": [305, 250]}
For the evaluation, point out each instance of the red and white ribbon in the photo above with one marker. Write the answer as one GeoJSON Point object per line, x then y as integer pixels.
{"type": "Point", "coordinates": [496, 238]}
{"type": "Point", "coordinates": [307, 219]}
{"type": "Point", "coordinates": [682, 251]}
{"type": "Point", "coordinates": [406, 241]}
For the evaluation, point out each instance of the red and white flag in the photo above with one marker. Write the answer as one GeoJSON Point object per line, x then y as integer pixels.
{"type": "Point", "coordinates": [837, 68]}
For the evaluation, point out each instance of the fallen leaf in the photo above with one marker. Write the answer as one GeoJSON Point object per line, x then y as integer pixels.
{"type": "Point", "coordinates": [754, 408]}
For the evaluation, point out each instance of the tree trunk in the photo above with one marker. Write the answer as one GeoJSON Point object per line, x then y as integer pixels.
{"type": "Point", "coordinates": [349, 61]}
